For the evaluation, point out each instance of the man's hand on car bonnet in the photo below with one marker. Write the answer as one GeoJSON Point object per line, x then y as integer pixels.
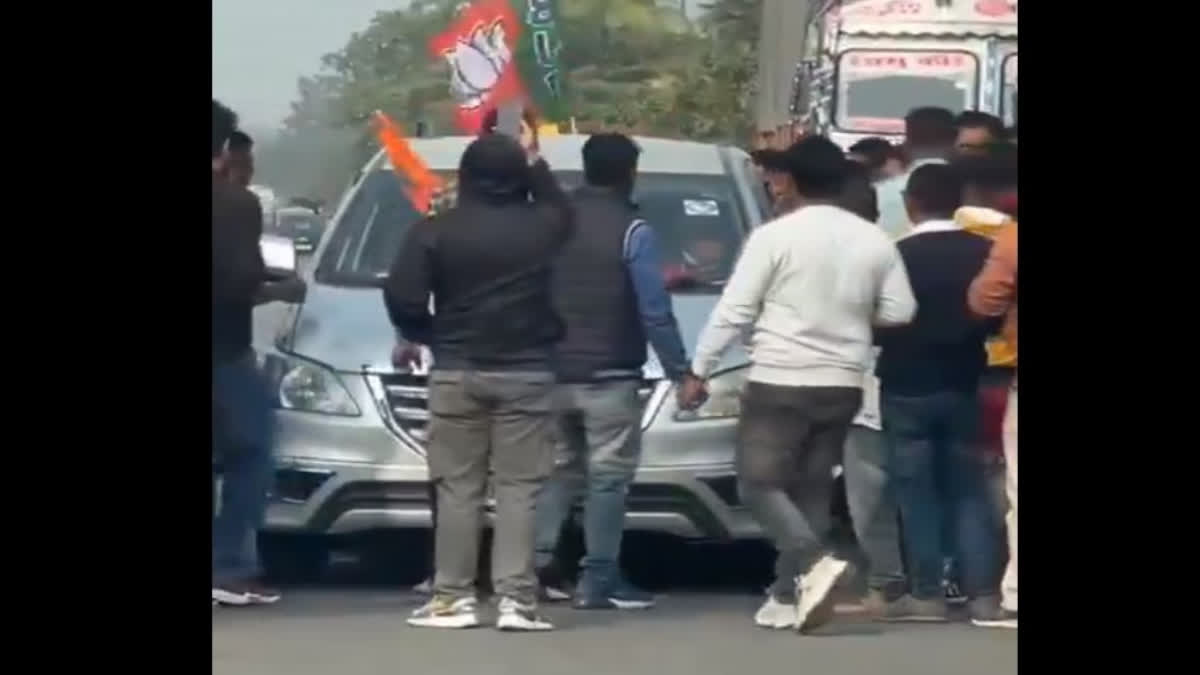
{"type": "Point", "coordinates": [406, 355]}
{"type": "Point", "coordinates": [691, 392]}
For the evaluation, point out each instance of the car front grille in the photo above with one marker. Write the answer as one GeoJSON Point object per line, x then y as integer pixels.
{"type": "Point", "coordinates": [407, 398]}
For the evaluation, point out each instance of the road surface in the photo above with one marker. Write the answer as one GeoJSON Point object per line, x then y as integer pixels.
{"type": "Point", "coordinates": [355, 631]}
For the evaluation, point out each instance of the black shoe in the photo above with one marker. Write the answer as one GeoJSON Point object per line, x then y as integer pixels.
{"type": "Point", "coordinates": [954, 594]}
{"type": "Point", "coordinates": [623, 595]}
{"type": "Point", "coordinates": [552, 585]}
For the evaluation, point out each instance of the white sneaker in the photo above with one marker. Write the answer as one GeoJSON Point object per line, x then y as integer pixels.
{"type": "Point", "coordinates": [775, 614]}
{"type": "Point", "coordinates": [446, 612]}
{"type": "Point", "coordinates": [515, 616]}
{"type": "Point", "coordinates": [425, 587]}
{"type": "Point", "coordinates": [813, 588]}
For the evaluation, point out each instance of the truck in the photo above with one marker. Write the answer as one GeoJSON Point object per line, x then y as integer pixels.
{"type": "Point", "coordinates": [868, 62]}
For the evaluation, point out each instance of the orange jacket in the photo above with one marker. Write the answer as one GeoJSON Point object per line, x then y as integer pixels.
{"type": "Point", "coordinates": [994, 291]}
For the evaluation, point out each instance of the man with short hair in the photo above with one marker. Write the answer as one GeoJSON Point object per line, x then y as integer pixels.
{"type": "Point", "coordinates": [491, 394]}
{"type": "Point", "coordinates": [929, 373]}
{"type": "Point", "coordinates": [976, 131]}
{"type": "Point", "coordinates": [809, 285]}
{"type": "Point", "coordinates": [239, 167]}
{"type": "Point", "coordinates": [609, 290]}
{"type": "Point", "coordinates": [869, 499]}
{"type": "Point", "coordinates": [778, 181]}
{"type": "Point", "coordinates": [929, 135]}
{"type": "Point", "coordinates": [991, 194]}
{"type": "Point", "coordinates": [994, 293]}
{"type": "Point", "coordinates": [883, 159]}
{"type": "Point", "coordinates": [242, 429]}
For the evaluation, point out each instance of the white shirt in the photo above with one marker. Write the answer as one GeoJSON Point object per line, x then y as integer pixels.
{"type": "Point", "coordinates": [893, 217]}
{"type": "Point", "coordinates": [809, 284]}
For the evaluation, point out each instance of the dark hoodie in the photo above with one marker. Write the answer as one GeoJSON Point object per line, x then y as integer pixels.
{"type": "Point", "coordinates": [487, 262]}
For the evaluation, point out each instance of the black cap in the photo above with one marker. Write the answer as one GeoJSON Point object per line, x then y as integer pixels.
{"type": "Point", "coordinates": [771, 160]}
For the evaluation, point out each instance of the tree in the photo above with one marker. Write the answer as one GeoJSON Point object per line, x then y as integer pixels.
{"type": "Point", "coordinates": [632, 65]}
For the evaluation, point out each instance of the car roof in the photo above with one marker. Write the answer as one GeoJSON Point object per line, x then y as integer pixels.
{"type": "Point", "coordinates": [565, 153]}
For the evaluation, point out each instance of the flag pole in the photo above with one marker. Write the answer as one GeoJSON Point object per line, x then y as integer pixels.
{"type": "Point", "coordinates": [508, 119]}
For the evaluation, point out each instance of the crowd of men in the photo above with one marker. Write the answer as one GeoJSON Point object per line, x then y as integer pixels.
{"type": "Point", "coordinates": [872, 304]}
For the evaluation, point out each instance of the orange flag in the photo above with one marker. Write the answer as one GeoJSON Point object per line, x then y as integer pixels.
{"type": "Point", "coordinates": [407, 163]}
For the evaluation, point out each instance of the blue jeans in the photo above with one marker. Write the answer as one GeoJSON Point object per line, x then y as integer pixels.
{"type": "Point", "coordinates": [598, 448]}
{"type": "Point", "coordinates": [242, 438]}
{"type": "Point", "coordinates": [939, 475]}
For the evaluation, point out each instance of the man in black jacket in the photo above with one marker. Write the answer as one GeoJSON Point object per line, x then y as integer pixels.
{"type": "Point", "coordinates": [486, 263]}
{"type": "Point", "coordinates": [241, 401]}
{"type": "Point", "coordinates": [929, 376]}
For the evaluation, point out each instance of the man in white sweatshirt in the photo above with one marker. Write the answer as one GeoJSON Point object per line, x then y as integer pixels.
{"type": "Point", "coordinates": [808, 287]}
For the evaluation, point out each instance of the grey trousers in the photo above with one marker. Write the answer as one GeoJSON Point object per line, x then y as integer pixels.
{"type": "Point", "coordinates": [789, 440]}
{"type": "Point", "coordinates": [480, 420]}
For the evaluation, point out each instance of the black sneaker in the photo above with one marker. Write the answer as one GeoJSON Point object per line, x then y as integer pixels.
{"type": "Point", "coordinates": [623, 595]}
{"type": "Point", "coordinates": [552, 585]}
{"type": "Point", "coordinates": [905, 608]}
{"type": "Point", "coordinates": [954, 594]}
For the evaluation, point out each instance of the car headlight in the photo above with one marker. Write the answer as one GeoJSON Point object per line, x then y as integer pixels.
{"type": "Point", "coordinates": [307, 386]}
{"type": "Point", "coordinates": [724, 397]}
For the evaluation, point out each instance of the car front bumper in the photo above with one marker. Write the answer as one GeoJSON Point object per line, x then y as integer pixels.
{"type": "Point", "coordinates": [346, 475]}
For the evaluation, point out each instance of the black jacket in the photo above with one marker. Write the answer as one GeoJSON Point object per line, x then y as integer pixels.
{"type": "Point", "coordinates": [237, 268]}
{"type": "Point", "coordinates": [943, 348]}
{"type": "Point", "coordinates": [487, 264]}
{"type": "Point", "coordinates": [595, 293]}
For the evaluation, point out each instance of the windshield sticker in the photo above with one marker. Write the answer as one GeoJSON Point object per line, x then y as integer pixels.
{"type": "Point", "coordinates": [701, 207]}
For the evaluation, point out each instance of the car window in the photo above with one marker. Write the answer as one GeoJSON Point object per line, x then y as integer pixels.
{"type": "Point", "coordinates": [698, 219]}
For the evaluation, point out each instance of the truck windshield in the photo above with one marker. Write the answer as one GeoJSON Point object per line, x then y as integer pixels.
{"type": "Point", "coordinates": [698, 218]}
{"type": "Point", "coordinates": [876, 89]}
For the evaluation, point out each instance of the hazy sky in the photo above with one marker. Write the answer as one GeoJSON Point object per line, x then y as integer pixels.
{"type": "Point", "coordinates": [260, 48]}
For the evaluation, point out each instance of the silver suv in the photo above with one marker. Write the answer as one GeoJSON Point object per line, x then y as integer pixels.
{"type": "Point", "coordinates": [351, 440]}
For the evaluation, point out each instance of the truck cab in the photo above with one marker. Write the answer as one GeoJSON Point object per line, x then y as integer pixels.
{"type": "Point", "coordinates": [877, 59]}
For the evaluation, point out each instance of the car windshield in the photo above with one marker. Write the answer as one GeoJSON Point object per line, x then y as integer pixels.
{"type": "Point", "coordinates": [876, 89]}
{"type": "Point", "coordinates": [699, 221]}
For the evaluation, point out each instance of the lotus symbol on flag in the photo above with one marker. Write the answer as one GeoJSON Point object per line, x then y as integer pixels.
{"type": "Point", "coordinates": [477, 63]}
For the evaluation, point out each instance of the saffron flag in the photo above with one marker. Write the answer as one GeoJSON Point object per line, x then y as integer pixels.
{"type": "Point", "coordinates": [500, 51]}
{"type": "Point", "coordinates": [421, 182]}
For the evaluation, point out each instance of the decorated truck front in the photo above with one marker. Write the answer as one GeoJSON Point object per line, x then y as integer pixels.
{"type": "Point", "coordinates": [878, 59]}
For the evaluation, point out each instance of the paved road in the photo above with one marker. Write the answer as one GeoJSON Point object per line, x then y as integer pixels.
{"type": "Point", "coordinates": [362, 632]}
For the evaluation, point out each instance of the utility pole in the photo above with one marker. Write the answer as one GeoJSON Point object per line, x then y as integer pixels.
{"type": "Point", "coordinates": [782, 43]}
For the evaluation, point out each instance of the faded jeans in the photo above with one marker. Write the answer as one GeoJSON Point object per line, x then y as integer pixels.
{"type": "Point", "coordinates": [242, 437]}
{"type": "Point", "coordinates": [930, 436]}
{"type": "Point", "coordinates": [597, 452]}
{"type": "Point", "coordinates": [873, 510]}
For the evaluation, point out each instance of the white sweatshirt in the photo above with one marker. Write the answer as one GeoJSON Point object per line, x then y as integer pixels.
{"type": "Point", "coordinates": [809, 284]}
